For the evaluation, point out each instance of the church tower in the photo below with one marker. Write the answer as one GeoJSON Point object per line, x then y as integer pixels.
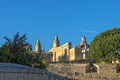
{"type": "Point", "coordinates": [83, 42]}
{"type": "Point", "coordinates": [85, 48]}
{"type": "Point", "coordinates": [56, 42]}
{"type": "Point", "coordinates": [38, 47]}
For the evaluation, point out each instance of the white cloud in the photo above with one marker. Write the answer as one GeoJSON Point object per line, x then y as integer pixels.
{"type": "Point", "coordinates": [90, 31]}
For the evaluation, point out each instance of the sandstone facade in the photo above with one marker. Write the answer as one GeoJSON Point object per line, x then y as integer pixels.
{"type": "Point", "coordinates": [65, 52]}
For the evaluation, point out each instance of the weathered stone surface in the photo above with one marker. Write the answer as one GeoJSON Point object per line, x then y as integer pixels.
{"type": "Point", "coordinates": [16, 68]}
{"type": "Point", "coordinates": [101, 71]}
{"type": "Point", "coordinates": [11, 71]}
{"type": "Point", "coordinates": [64, 71]}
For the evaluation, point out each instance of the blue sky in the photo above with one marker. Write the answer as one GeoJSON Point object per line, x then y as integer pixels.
{"type": "Point", "coordinates": [71, 19]}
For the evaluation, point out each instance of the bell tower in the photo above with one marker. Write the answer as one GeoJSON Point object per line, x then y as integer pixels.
{"type": "Point", "coordinates": [85, 48]}
{"type": "Point", "coordinates": [83, 42]}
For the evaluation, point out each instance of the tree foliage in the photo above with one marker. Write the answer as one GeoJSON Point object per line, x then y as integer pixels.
{"type": "Point", "coordinates": [5, 55]}
{"type": "Point", "coordinates": [17, 50]}
{"type": "Point", "coordinates": [39, 62]}
{"type": "Point", "coordinates": [105, 45]}
{"type": "Point", "coordinates": [18, 43]}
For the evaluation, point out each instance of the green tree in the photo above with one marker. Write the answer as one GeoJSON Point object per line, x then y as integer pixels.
{"type": "Point", "coordinates": [39, 62]}
{"type": "Point", "coordinates": [5, 55]}
{"type": "Point", "coordinates": [18, 44]}
{"type": "Point", "coordinates": [104, 45]}
{"type": "Point", "coordinates": [18, 50]}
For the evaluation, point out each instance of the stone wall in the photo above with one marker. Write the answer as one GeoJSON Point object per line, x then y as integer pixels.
{"type": "Point", "coordinates": [22, 76]}
{"type": "Point", "coordinates": [10, 71]}
{"type": "Point", "coordinates": [101, 71]}
{"type": "Point", "coordinates": [61, 71]}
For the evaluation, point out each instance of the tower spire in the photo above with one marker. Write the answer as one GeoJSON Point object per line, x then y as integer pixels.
{"type": "Point", "coordinates": [38, 46]}
{"type": "Point", "coordinates": [56, 42]}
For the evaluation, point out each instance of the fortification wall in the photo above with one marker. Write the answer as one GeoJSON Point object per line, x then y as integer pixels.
{"type": "Point", "coordinates": [101, 71]}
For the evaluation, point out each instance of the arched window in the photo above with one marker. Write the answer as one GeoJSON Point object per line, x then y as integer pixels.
{"type": "Point", "coordinates": [65, 55]}
{"type": "Point", "coordinates": [65, 51]}
{"type": "Point", "coordinates": [55, 56]}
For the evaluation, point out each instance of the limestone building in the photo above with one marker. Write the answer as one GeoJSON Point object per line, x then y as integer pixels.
{"type": "Point", "coordinates": [60, 53]}
{"type": "Point", "coordinates": [66, 53]}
